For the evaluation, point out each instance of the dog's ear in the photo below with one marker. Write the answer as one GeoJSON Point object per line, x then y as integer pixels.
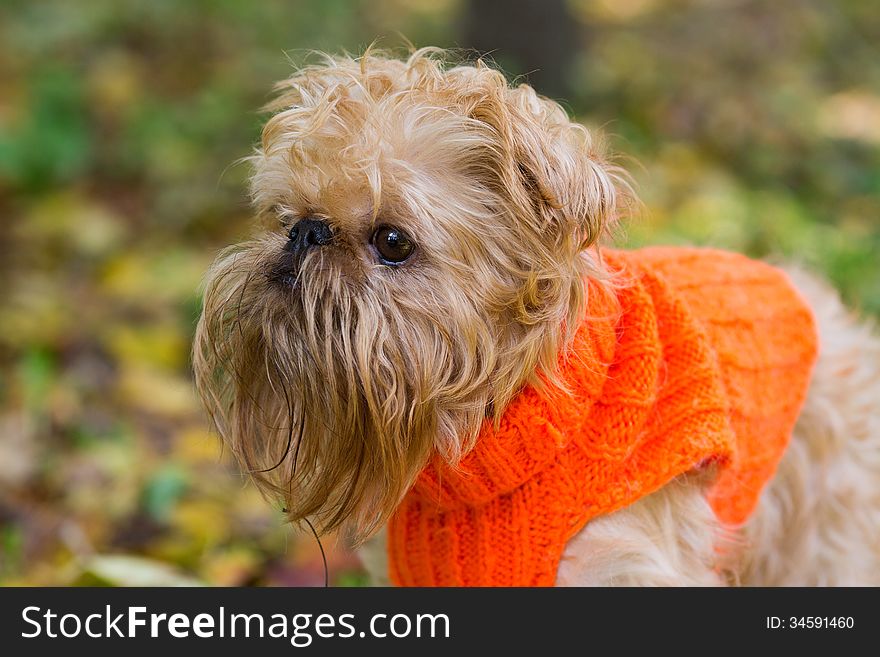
{"type": "Point", "coordinates": [549, 167]}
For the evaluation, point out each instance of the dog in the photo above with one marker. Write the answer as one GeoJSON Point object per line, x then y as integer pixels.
{"type": "Point", "coordinates": [427, 346]}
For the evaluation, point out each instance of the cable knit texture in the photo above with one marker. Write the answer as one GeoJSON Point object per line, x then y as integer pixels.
{"type": "Point", "coordinates": [692, 356]}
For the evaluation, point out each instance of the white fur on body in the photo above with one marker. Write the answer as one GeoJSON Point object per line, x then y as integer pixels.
{"type": "Point", "coordinates": [818, 522]}
{"type": "Point", "coordinates": [819, 519]}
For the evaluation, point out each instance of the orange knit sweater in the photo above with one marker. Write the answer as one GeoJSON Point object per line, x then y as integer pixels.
{"type": "Point", "coordinates": [694, 356]}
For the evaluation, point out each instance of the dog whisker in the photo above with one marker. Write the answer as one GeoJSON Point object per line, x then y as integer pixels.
{"type": "Point", "coordinates": [435, 331]}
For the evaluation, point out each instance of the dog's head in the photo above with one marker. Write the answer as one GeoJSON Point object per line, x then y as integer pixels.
{"type": "Point", "coordinates": [426, 234]}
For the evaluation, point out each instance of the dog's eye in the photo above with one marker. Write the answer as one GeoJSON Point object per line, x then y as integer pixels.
{"type": "Point", "coordinates": [393, 245]}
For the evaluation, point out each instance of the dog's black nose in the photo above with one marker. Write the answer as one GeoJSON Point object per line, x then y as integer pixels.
{"type": "Point", "coordinates": [307, 233]}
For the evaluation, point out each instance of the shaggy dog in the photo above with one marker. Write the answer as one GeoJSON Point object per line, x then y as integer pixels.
{"type": "Point", "coordinates": [429, 251]}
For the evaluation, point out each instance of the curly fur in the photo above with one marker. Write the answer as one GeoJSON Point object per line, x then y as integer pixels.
{"type": "Point", "coordinates": [818, 523]}
{"type": "Point", "coordinates": [334, 387]}
{"type": "Point", "coordinates": [333, 378]}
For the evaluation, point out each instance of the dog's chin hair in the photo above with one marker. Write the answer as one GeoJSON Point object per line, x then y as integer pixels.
{"type": "Point", "coordinates": [333, 379]}
{"type": "Point", "coordinates": [333, 397]}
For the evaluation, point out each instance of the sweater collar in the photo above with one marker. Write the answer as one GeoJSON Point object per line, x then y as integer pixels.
{"type": "Point", "coordinates": [537, 425]}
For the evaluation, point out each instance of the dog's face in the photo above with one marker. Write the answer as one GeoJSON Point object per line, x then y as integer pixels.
{"type": "Point", "coordinates": [423, 254]}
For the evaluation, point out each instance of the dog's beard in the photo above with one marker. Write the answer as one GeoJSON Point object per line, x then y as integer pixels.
{"type": "Point", "coordinates": [333, 393]}
{"type": "Point", "coordinates": [334, 380]}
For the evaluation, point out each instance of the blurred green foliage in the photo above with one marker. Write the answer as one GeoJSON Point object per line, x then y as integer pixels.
{"type": "Point", "coordinates": [748, 125]}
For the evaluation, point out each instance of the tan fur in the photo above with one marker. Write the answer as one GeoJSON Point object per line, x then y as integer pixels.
{"type": "Point", "coordinates": [669, 538]}
{"type": "Point", "coordinates": [818, 522]}
{"type": "Point", "coordinates": [334, 377]}
{"type": "Point", "coordinates": [334, 390]}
